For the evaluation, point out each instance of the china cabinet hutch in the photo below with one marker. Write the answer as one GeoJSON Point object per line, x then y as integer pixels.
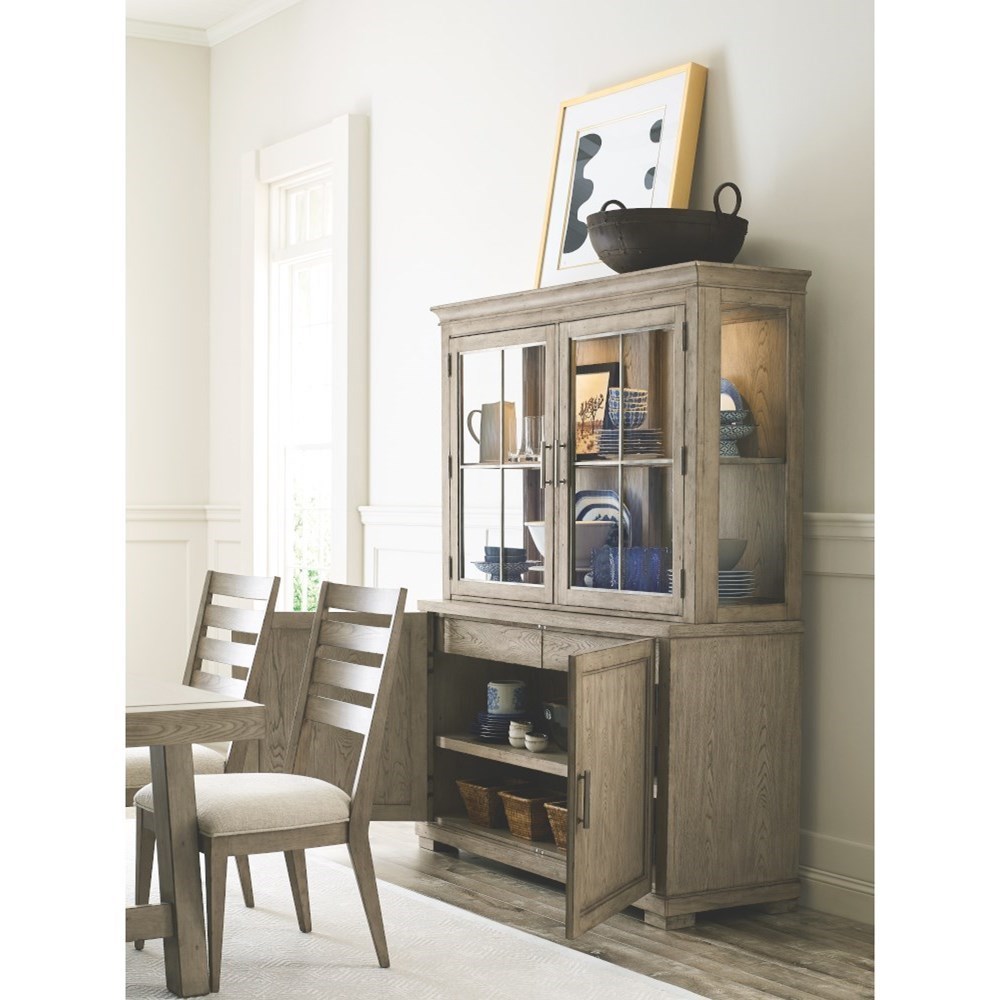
{"type": "Point", "coordinates": [622, 463]}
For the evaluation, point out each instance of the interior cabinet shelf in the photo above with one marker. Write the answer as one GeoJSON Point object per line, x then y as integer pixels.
{"type": "Point", "coordinates": [538, 856]}
{"type": "Point", "coordinates": [548, 762]}
{"type": "Point", "coordinates": [728, 460]}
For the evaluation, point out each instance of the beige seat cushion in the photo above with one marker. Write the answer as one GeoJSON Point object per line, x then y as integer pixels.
{"type": "Point", "coordinates": [255, 803]}
{"type": "Point", "coordinates": [205, 759]}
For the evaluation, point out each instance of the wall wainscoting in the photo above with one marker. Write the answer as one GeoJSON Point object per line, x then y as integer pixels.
{"type": "Point", "coordinates": [168, 550]}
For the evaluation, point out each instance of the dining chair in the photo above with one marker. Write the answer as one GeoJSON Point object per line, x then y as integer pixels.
{"type": "Point", "coordinates": [352, 657]}
{"type": "Point", "coordinates": [231, 637]}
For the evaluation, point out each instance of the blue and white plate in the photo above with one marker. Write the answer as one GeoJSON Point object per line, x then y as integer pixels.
{"type": "Point", "coordinates": [728, 389]}
{"type": "Point", "coordinates": [603, 505]}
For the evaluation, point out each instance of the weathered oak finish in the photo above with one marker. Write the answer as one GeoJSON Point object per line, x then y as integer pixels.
{"type": "Point", "coordinates": [725, 737]}
{"type": "Point", "coordinates": [168, 718]}
{"type": "Point", "coordinates": [358, 620]}
{"type": "Point", "coordinates": [401, 787]}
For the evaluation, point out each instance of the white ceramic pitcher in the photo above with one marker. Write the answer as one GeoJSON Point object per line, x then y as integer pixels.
{"type": "Point", "coordinates": [497, 429]}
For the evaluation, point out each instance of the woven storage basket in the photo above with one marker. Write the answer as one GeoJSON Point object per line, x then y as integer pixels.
{"type": "Point", "coordinates": [525, 811]}
{"type": "Point", "coordinates": [482, 802]}
{"type": "Point", "coordinates": [557, 820]}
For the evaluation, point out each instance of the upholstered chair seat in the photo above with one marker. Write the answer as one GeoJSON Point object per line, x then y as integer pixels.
{"type": "Point", "coordinates": [257, 803]}
{"type": "Point", "coordinates": [137, 773]}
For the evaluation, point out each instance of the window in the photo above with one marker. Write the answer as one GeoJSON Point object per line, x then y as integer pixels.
{"type": "Point", "coordinates": [305, 267]}
{"type": "Point", "coordinates": [300, 389]}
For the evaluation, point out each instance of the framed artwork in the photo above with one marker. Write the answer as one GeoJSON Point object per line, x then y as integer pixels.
{"type": "Point", "coordinates": [591, 401]}
{"type": "Point", "coordinates": [634, 143]}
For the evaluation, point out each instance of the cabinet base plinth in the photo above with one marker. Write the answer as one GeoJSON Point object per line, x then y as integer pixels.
{"type": "Point", "coordinates": [427, 844]}
{"type": "Point", "coordinates": [660, 911]}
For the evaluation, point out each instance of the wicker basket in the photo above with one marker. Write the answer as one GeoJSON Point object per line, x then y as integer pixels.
{"type": "Point", "coordinates": [525, 811]}
{"type": "Point", "coordinates": [557, 820]}
{"type": "Point", "coordinates": [482, 802]}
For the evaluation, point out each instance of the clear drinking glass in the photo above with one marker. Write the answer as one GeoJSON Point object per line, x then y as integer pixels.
{"type": "Point", "coordinates": [531, 439]}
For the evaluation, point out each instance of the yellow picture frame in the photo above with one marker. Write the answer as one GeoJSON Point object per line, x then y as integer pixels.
{"type": "Point", "coordinates": [639, 137]}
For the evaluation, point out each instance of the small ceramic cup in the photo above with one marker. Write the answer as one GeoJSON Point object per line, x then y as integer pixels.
{"type": "Point", "coordinates": [516, 741]}
{"type": "Point", "coordinates": [536, 742]}
{"type": "Point", "coordinates": [519, 728]}
{"type": "Point", "coordinates": [505, 697]}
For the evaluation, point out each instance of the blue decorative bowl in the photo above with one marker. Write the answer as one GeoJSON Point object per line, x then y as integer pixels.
{"type": "Point", "coordinates": [627, 407]}
{"type": "Point", "coordinates": [735, 417]}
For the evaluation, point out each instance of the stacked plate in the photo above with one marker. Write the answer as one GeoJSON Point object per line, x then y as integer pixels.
{"type": "Point", "coordinates": [734, 584]}
{"type": "Point", "coordinates": [633, 441]}
{"type": "Point", "coordinates": [494, 728]}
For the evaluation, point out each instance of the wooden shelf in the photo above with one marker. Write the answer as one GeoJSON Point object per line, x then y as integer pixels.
{"type": "Point", "coordinates": [539, 856]}
{"type": "Point", "coordinates": [551, 761]}
{"type": "Point", "coordinates": [612, 461]}
{"type": "Point", "coordinates": [739, 460]}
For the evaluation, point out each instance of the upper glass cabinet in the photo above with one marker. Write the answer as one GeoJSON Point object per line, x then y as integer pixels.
{"type": "Point", "coordinates": [630, 444]}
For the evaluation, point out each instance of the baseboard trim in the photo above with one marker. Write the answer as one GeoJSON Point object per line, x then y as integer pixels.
{"type": "Point", "coordinates": [828, 892]}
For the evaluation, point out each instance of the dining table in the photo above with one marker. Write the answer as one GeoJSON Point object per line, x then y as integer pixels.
{"type": "Point", "coordinates": [169, 717]}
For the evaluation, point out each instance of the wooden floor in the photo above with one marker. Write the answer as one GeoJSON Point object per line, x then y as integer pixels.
{"type": "Point", "coordinates": [734, 955]}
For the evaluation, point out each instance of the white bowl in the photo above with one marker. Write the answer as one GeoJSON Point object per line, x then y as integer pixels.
{"type": "Point", "coordinates": [516, 741]}
{"type": "Point", "coordinates": [731, 551]}
{"type": "Point", "coordinates": [590, 535]}
{"type": "Point", "coordinates": [536, 744]}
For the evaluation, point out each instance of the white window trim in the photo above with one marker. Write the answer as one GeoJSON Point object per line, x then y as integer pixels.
{"type": "Point", "coordinates": [343, 143]}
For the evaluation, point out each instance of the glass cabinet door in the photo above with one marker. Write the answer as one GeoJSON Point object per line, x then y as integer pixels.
{"type": "Point", "coordinates": [753, 443]}
{"type": "Point", "coordinates": [622, 428]}
{"type": "Point", "coordinates": [501, 462]}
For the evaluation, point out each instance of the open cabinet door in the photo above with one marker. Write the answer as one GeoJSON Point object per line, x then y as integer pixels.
{"type": "Point", "coordinates": [401, 793]}
{"type": "Point", "coordinates": [610, 782]}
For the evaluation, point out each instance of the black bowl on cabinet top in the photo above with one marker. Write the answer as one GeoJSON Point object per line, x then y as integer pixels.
{"type": "Point", "coordinates": [633, 239]}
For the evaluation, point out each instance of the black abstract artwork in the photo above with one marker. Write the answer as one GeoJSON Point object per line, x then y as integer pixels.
{"type": "Point", "coordinates": [654, 137]}
{"type": "Point", "coordinates": [576, 228]}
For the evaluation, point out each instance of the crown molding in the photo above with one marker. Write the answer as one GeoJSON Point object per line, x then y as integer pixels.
{"type": "Point", "coordinates": [165, 32]}
{"type": "Point", "coordinates": [252, 15]}
{"type": "Point", "coordinates": [247, 18]}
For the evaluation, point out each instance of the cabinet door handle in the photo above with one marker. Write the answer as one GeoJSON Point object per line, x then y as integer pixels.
{"type": "Point", "coordinates": [559, 465]}
{"type": "Point", "coordinates": [545, 480]}
{"type": "Point", "coordinates": [585, 795]}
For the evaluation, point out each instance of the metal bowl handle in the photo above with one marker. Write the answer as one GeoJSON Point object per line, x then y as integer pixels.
{"type": "Point", "coordinates": [719, 190]}
{"type": "Point", "coordinates": [614, 201]}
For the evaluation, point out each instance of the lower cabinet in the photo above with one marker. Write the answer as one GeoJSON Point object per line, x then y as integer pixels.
{"type": "Point", "coordinates": [680, 770]}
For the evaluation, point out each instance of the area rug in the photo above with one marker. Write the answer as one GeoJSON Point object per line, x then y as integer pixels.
{"type": "Point", "coordinates": [438, 952]}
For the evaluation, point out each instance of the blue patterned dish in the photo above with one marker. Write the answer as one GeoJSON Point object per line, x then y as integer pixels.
{"type": "Point", "coordinates": [730, 390]}
{"type": "Point", "coordinates": [629, 404]}
{"type": "Point", "coordinates": [603, 505]}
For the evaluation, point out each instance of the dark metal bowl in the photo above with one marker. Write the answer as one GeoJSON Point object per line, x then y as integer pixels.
{"type": "Point", "coordinates": [633, 239]}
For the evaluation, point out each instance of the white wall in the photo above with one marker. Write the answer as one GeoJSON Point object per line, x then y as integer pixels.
{"type": "Point", "coordinates": [167, 383]}
{"type": "Point", "coordinates": [462, 98]}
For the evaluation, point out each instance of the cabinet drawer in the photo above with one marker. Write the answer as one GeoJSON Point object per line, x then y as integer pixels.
{"type": "Point", "coordinates": [558, 647]}
{"type": "Point", "coordinates": [488, 641]}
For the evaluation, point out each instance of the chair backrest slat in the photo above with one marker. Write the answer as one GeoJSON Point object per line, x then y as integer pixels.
{"type": "Point", "coordinates": [251, 588]}
{"type": "Point", "coordinates": [217, 682]}
{"type": "Point", "coordinates": [339, 714]}
{"type": "Point", "coordinates": [357, 637]}
{"type": "Point", "coordinates": [232, 654]}
{"type": "Point", "coordinates": [353, 647]}
{"type": "Point", "coordinates": [349, 676]}
{"type": "Point", "coordinates": [234, 619]}
{"type": "Point", "coordinates": [344, 651]}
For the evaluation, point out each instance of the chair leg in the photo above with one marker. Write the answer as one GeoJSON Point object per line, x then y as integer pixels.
{"type": "Point", "coordinates": [243, 869]}
{"type": "Point", "coordinates": [145, 845]}
{"type": "Point", "coordinates": [364, 874]}
{"type": "Point", "coordinates": [295, 862]}
{"type": "Point", "coordinates": [215, 889]}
